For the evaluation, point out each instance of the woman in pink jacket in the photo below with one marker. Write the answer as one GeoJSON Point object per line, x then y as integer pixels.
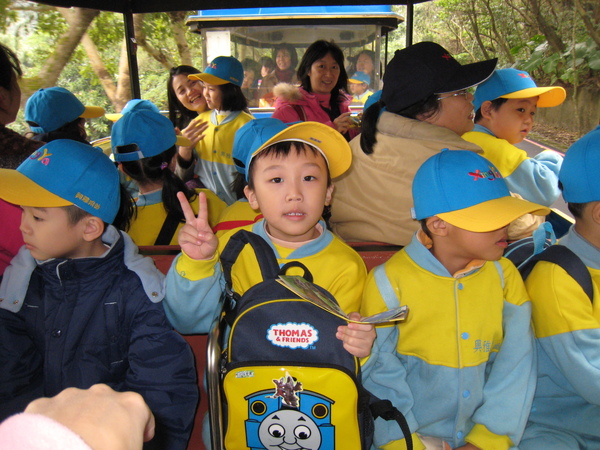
{"type": "Point", "coordinates": [321, 96]}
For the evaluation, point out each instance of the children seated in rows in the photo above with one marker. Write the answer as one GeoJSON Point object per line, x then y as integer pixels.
{"type": "Point", "coordinates": [461, 368]}
{"type": "Point", "coordinates": [566, 406]}
{"type": "Point", "coordinates": [79, 305]}
{"type": "Point", "coordinates": [212, 163]}
{"type": "Point", "coordinates": [144, 145]}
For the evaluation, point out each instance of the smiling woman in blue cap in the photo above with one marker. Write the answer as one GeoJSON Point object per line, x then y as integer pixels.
{"type": "Point", "coordinates": [425, 106]}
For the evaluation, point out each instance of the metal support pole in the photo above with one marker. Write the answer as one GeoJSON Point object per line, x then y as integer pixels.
{"type": "Point", "coordinates": [134, 75]}
{"type": "Point", "coordinates": [410, 12]}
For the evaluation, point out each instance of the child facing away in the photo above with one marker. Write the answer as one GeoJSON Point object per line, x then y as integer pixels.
{"type": "Point", "coordinates": [228, 111]}
{"type": "Point", "coordinates": [80, 305]}
{"type": "Point", "coordinates": [505, 106]}
{"type": "Point", "coordinates": [461, 368]}
{"type": "Point", "coordinates": [144, 145]}
{"type": "Point", "coordinates": [55, 113]}
{"type": "Point", "coordinates": [566, 406]}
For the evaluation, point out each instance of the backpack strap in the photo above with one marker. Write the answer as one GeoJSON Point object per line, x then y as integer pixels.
{"type": "Point", "coordinates": [568, 261]}
{"type": "Point", "coordinates": [300, 111]}
{"type": "Point", "coordinates": [265, 255]}
{"type": "Point", "coordinates": [386, 410]}
{"type": "Point", "coordinates": [167, 230]}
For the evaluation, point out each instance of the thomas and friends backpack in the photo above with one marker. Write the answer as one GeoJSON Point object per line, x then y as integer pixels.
{"type": "Point", "coordinates": [284, 379]}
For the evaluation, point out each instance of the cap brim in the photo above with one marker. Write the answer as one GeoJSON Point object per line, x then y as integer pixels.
{"type": "Point", "coordinates": [493, 214]}
{"type": "Point", "coordinates": [91, 112]}
{"type": "Point", "coordinates": [548, 96]}
{"type": "Point", "coordinates": [113, 117]}
{"type": "Point", "coordinates": [207, 78]}
{"type": "Point", "coordinates": [328, 141]}
{"type": "Point", "coordinates": [16, 188]}
{"type": "Point", "coordinates": [469, 75]}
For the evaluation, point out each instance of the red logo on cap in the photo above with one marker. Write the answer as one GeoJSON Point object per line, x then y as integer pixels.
{"type": "Point", "coordinates": [491, 174]}
{"type": "Point", "coordinates": [524, 75]}
{"type": "Point", "coordinates": [447, 56]}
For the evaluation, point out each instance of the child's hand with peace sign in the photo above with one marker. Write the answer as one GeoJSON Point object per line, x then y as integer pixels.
{"type": "Point", "coordinates": [196, 238]}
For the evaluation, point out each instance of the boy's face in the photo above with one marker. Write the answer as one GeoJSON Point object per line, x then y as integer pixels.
{"type": "Point", "coordinates": [470, 245]}
{"type": "Point", "coordinates": [291, 192]}
{"type": "Point", "coordinates": [358, 88]}
{"type": "Point", "coordinates": [48, 233]}
{"type": "Point", "coordinates": [513, 120]}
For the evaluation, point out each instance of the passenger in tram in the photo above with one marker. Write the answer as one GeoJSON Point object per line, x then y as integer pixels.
{"type": "Point", "coordinates": [250, 83]}
{"type": "Point", "coordinates": [463, 371]}
{"type": "Point", "coordinates": [289, 171]}
{"type": "Point", "coordinates": [81, 419]}
{"type": "Point", "coordinates": [566, 406]}
{"type": "Point", "coordinates": [322, 95]}
{"type": "Point", "coordinates": [505, 106]}
{"type": "Point", "coordinates": [359, 88]}
{"type": "Point", "coordinates": [424, 107]}
{"type": "Point", "coordinates": [228, 111]}
{"type": "Point", "coordinates": [83, 306]}
{"type": "Point", "coordinates": [186, 101]}
{"type": "Point", "coordinates": [14, 149]}
{"type": "Point", "coordinates": [56, 113]}
{"type": "Point", "coordinates": [286, 60]}
{"type": "Point", "coordinates": [144, 144]}
{"type": "Point", "coordinates": [365, 62]}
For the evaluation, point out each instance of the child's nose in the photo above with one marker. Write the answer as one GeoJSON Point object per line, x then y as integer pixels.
{"type": "Point", "coordinates": [294, 193]}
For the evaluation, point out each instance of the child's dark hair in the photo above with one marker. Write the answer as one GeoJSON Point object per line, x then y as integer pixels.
{"type": "Point", "coordinates": [424, 227]}
{"type": "Point", "coordinates": [125, 214]}
{"type": "Point", "coordinates": [156, 169]}
{"type": "Point", "coordinates": [232, 98]}
{"type": "Point", "coordinates": [496, 103]}
{"type": "Point", "coordinates": [237, 185]}
{"type": "Point", "coordinates": [268, 62]}
{"type": "Point", "coordinates": [575, 208]}
{"type": "Point", "coordinates": [72, 130]}
{"type": "Point", "coordinates": [424, 109]}
{"type": "Point", "coordinates": [9, 67]}
{"type": "Point", "coordinates": [179, 115]}
{"type": "Point", "coordinates": [284, 149]}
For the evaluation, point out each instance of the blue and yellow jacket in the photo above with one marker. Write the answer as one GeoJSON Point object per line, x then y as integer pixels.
{"type": "Point", "coordinates": [461, 367]}
{"type": "Point", "coordinates": [534, 179]}
{"type": "Point", "coordinates": [194, 287]}
{"type": "Point", "coordinates": [567, 331]}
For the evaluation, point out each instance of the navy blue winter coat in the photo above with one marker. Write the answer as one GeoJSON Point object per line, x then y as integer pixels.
{"type": "Point", "coordinates": [93, 320]}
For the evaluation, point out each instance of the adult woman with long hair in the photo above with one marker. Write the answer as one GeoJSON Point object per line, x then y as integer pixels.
{"type": "Point", "coordinates": [322, 95]}
{"type": "Point", "coordinates": [425, 106]}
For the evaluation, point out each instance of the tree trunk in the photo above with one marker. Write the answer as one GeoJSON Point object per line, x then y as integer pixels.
{"type": "Point", "coordinates": [547, 30]}
{"type": "Point", "coordinates": [140, 38]}
{"type": "Point", "coordinates": [177, 19]}
{"type": "Point", "coordinates": [79, 21]}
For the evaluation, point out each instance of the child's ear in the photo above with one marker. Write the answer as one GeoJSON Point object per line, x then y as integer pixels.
{"type": "Point", "coordinates": [251, 196]}
{"type": "Point", "coordinates": [595, 210]}
{"type": "Point", "coordinates": [329, 194]}
{"type": "Point", "coordinates": [486, 109]}
{"type": "Point", "coordinates": [93, 228]}
{"type": "Point", "coordinates": [437, 226]}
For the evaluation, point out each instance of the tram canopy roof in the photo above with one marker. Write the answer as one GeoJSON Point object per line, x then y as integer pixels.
{"type": "Point", "coordinates": [147, 6]}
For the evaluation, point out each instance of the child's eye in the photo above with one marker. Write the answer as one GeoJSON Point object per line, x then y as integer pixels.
{"type": "Point", "coordinates": [276, 180]}
{"type": "Point", "coordinates": [310, 178]}
{"type": "Point", "coordinates": [521, 110]}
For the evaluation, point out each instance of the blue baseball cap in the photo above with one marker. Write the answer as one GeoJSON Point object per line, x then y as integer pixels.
{"type": "Point", "coordinates": [142, 124]}
{"type": "Point", "coordinates": [359, 78]}
{"type": "Point", "coordinates": [467, 191]}
{"type": "Point", "coordinates": [49, 109]}
{"type": "Point", "coordinates": [131, 105]}
{"type": "Point", "coordinates": [373, 98]}
{"type": "Point", "coordinates": [513, 83]}
{"type": "Point", "coordinates": [579, 171]}
{"type": "Point", "coordinates": [258, 134]}
{"type": "Point", "coordinates": [221, 70]}
{"type": "Point", "coordinates": [62, 173]}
